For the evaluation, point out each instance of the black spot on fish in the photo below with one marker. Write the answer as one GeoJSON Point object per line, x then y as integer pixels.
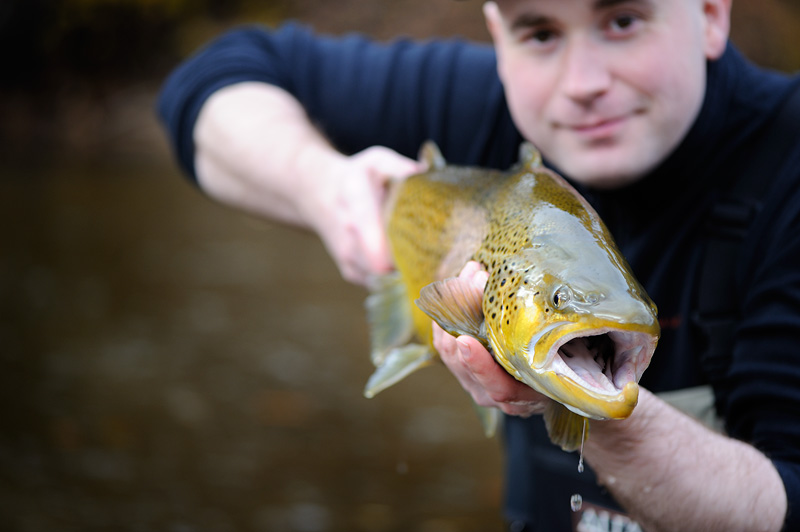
{"type": "Point", "coordinates": [503, 282]}
{"type": "Point", "coordinates": [491, 299]}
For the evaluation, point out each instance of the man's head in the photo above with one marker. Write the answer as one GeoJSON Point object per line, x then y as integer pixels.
{"type": "Point", "coordinates": [606, 89]}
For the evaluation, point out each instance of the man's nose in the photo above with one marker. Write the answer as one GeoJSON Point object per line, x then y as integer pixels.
{"type": "Point", "coordinates": [584, 72]}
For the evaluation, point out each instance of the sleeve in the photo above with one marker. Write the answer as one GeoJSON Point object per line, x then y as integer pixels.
{"type": "Point", "coordinates": [359, 92]}
{"type": "Point", "coordinates": [763, 405]}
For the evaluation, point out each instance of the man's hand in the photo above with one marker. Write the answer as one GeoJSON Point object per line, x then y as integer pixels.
{"type": "Point", "coordinates": [256, 150]}
{"type": "Point", "coordinates": [485, 380]}
{"type": "Point", "coordinates": [346, 209]}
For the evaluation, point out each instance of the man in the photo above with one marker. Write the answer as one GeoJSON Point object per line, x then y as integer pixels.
{"type": "Point", "coordinates": [647, 109]}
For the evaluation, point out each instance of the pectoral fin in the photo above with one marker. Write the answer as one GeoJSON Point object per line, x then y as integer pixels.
{"type": "Point", "coordinates": [397, 365]}
{"type": "Point", "coordinates": [456, 305]}
{"type": "Point", "coordinates": [564, 427]}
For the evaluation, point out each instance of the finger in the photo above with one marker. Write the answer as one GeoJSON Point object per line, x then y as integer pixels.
{"type": "Point", "coordinates": [474, 273]}
{"type": "Point", "coordinates": [366, 246]}
{"type": "Point", "coordinates": [377, 257]}
{"type": "Point", "coordinates": [447, 347]}
{"type": "Point", "coordinates": [470, 269]}
{"type": "Point", "coordinates": [390, 166]}
{"type": "Point", "coordinates": [382, 166]}
{"type": "Point", "coordinates": [465, 354]}
{"type": "Point", "coordinates": [499, 385]}
{"type": "Point", "coordinates": [479, 279]}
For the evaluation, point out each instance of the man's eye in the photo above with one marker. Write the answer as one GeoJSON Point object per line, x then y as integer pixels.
{"type": "Point", "coordinates": [623, 23]}
{"type": "Point", "coordinates": [543, 36]}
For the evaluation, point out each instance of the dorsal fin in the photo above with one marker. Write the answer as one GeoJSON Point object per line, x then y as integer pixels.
{"type": "Point", "coordinates": [431, 156]}
{"type": "Point", "coordinates": [529, 156]}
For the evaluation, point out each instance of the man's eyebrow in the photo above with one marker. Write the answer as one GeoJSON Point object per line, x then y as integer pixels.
{"type": "Point", "coordinates": [605, 4]}
{"type": "Point", "coordinates": [527, 20]}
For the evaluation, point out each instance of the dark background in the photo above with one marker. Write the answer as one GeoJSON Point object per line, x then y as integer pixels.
{"type": "Point", "coordinates": [169, 364]}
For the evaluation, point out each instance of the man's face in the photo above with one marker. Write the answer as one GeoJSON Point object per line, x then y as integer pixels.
{"type": "Point", "coordinates": [606, 89]}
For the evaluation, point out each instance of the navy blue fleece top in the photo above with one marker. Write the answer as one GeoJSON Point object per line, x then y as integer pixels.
{"type": "Point", "coordinates": [400, 94]}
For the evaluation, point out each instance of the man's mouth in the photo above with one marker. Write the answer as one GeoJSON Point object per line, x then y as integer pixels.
{"type": "Point", "coordinates": [598, 129]}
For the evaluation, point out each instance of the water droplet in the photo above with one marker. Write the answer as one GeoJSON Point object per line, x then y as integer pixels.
{"type": "Point", "coordinates": [583, 438]}
{"type": "Point", "coordinates": [576, 502]}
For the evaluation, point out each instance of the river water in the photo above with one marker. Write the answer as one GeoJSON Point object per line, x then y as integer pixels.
{"type": "Point", "coordinates": [172, 365]}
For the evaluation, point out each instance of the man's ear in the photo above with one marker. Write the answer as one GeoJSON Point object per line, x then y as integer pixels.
{"type": "Point", "coordinates": [717, 15]}
{"type": "Point", "coordinates": [494, 23]}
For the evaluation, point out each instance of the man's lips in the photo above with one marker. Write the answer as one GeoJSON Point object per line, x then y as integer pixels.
{"type": "Point", "coordinates": [589, 126]}
{"type": "Point", "coordinates": [596, 128]}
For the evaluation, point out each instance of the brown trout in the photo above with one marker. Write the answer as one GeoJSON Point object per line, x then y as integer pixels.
{"type": "Point", "coordinates": [561, 311]}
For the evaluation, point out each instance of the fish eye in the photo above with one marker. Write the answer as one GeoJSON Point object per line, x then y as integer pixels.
{"type": "Point", "coordinates": [561, 297]}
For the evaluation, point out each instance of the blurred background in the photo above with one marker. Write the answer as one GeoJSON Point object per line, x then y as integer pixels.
{"type": "Point", "coordinates": [171, 365]}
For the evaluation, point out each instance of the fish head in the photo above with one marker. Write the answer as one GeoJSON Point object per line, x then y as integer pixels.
{"type": "Point", "coordinates": [575, 327]}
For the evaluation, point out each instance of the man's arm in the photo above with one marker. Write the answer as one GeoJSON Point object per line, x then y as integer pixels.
{"type": "Point", "coordinates": [668, 471]}
{"type": "Point", "coordinates": [239, 115]}
{"type": "Point", "coordinates": [255, 149]}
{"type": "Point", "coordinates": [672, 473]}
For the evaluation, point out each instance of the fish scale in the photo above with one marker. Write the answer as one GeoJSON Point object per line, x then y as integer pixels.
{"type": "Point", "coordinates": [424, 228]}
{"type": "Point", "coordinates": [555, 277]}
{"type": "Point", "coordinates": [503, 239]}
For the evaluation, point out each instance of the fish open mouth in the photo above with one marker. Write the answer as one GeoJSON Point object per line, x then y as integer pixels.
{"type": "Point", "coordinates": [604, 361]}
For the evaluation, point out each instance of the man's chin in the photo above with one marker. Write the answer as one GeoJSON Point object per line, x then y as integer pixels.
{"type": "Point", "coordinates": [602, 169]}
{"type": "Point", "coordinates": [609, 181]}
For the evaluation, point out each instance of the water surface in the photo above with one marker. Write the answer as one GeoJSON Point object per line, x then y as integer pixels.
{"type": "Point", "coordinates": [170, 364]}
